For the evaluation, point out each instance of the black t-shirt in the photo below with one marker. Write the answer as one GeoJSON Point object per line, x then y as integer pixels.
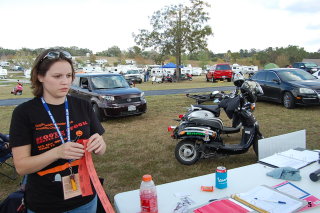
{"type": "Point", "coordinates": [31, 125]}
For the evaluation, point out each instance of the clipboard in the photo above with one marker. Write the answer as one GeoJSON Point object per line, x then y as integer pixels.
{"type": "Point", "coordinates": [222, 205]}
{"type": "Point", "coordinates": [244, 200]}
{"type": "Point", "coordinates": [291, 188]}
{"type": "Point", "coordinates": [265, 194]}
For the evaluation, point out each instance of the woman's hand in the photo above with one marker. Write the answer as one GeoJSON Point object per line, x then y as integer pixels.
{"type": "Point", "coordinates": [96, 144]}
{"type": "Point", "coordinates": [70, 150]}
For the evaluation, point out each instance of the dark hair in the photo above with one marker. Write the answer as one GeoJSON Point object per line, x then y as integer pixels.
{"type": "Point", "coordinates": [40, 67]}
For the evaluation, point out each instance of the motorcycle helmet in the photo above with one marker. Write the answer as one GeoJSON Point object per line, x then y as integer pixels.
{"type": "Point", "coordinates": [238, 82]}
{"type": "Point", "coordinates": [250, 90]}
{"type": "Point", "coordinates": [238, 79]}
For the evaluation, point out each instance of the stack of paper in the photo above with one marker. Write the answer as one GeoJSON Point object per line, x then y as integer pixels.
{"type": "Point", "coordinates": [223, 206]}
{"type": "Point", "coordinates": [263, 199]}
{"type": "Point", "coordinates": [291, 158]}
{"type": "Point", "coordinates": [266, 199]}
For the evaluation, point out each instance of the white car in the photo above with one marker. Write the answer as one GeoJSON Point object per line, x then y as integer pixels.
{"type": "Point", "coordinates": [197, 71]}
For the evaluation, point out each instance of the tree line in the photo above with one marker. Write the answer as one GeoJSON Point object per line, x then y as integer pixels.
{"type": "Point", "coordinates": [278, 55]}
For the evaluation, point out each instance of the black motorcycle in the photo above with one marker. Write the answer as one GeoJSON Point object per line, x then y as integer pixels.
{"type": "Point", "coordinates": [200, 132]}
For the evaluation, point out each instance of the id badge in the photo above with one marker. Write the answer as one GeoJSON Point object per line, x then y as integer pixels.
{"type": "Point", "coordinates": [71, 186]}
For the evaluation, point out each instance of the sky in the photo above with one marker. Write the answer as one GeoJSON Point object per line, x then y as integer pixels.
{"type": "Point", "coordinates": [100, 24]}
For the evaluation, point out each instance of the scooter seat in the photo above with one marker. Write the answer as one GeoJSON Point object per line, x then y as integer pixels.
{"type": "Point", "coordinates": [212, 122]}
{"type": "Point", "coordinates": [215, 109]}
{"type": "Point", "coordinates": [229, 130]}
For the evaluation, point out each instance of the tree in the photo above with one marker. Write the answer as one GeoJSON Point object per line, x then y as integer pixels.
{"type": "Point", "coordinates": [295, 53]}
{"type": "Point", "coordinates": [227, 56]}
{"type": "Point", "coordinates": [176, 30]}
{"type": "Point", "coordinates": [6, 52]}
{"type": "Point", "coordinates": [235, 56]}
{"type": "Point", "coordinates": [157, 57]}
{"type": "Point", "coordinates": [134, 52]}
{"type": "Point", "coordinates": [282, 60]}
{"type": "Point", "coordinates": [92, 58]}
{"type": "Point", "coordinates": [113, 51]}
{"type": "Point", "coordinates": [24, 58]}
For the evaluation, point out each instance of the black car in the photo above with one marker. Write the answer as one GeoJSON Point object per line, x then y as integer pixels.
{"type": "Point", "coordinates": [288, 86]}
{"type": "Point", "coordinates": [109, 94]}
{"type": "Point", "coordinates": [307, 66]}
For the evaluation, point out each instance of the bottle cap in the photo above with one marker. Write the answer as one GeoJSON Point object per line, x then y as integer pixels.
{"type": "Point", "coordinates": [146, 178]}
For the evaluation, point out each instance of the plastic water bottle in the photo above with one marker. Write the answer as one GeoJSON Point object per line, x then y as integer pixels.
{"type": "Point", "coordinates": [148, 195]}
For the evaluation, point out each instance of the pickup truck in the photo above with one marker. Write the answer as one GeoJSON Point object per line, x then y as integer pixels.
{"type": "Point", "coordinates": [133, 76]}
{"type": "Point", "coordinates": [220, 72]}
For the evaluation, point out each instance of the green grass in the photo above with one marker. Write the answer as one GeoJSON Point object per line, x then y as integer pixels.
{"type": "Point", "coordinates": [6, 87]}
{"type": "Point", "coordinates": [141, 144]}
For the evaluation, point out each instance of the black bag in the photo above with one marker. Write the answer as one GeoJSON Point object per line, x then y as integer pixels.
{"type": "Point", "coordinates": [13, 203]}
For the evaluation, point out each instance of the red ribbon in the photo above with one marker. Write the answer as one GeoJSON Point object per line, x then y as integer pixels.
{"type": "Point", "coordinates": [87, 172]}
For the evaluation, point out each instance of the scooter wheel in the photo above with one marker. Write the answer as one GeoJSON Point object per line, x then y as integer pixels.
{"type": "Point", "coordinates": [186, 152]}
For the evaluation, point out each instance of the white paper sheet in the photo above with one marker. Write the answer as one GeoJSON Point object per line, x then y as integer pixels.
{"type": "Point", "coordinates": [262, 197]}
{"type": "Point", "coordinates": [291, 158]}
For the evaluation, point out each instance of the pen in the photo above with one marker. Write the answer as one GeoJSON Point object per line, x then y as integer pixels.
{"type": "Point", "coordinates": [274, 201]}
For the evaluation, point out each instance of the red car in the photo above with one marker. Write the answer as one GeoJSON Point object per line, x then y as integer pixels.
{"type": "Point", "coordinates": [220, 72]}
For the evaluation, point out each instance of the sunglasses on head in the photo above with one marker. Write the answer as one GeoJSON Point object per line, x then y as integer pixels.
{"type": "Point", "coordinates": [56, 55]}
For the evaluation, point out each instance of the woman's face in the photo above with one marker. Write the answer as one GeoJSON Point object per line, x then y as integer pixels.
{"type": "Point", "coordinates": [57, 81]}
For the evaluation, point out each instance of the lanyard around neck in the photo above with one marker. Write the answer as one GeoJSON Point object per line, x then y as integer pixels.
{"type": "Point", "coordinates": [54, 122]}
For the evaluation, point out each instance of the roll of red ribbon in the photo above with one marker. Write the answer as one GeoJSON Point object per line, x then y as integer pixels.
{"type": "Point", "coordinates": [86, 170]}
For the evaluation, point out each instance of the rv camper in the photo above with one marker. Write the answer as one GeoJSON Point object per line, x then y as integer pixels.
{"type": "Point", "coordinates": [27, 73]}
{"type": "Point", "coordinates": [3, 73]}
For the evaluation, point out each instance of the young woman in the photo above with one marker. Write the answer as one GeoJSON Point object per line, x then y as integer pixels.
{"type": "Point", "coordinates": [42, 132]}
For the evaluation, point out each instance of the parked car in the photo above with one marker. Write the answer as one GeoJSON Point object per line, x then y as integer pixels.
{"type": "Point", "coordinates": [109, 94]}
{"type": "Point", "coordinates": [219, 72]}
{"type": "Point", "coordinates": [307, 66]}
{"type": "Point", "coordinates": [17, 68]}
{"type": "Point", "coordinates": [197, 71]}
{"type": "Point", "coordinates": [288, 86]}
{"type": "Point", "coordinates": [317, 74]}
{"type": "Point", "coordinates": [134, 76]}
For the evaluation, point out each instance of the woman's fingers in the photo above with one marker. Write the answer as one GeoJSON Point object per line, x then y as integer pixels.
{"type": "Point", "coordinates": [96, 143]}
{"type": "Point", "coordinates": [70, 151]}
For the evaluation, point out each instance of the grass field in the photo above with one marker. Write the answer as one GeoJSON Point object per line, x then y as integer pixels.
{"type": "Point", "coordinates": [141, 144]}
